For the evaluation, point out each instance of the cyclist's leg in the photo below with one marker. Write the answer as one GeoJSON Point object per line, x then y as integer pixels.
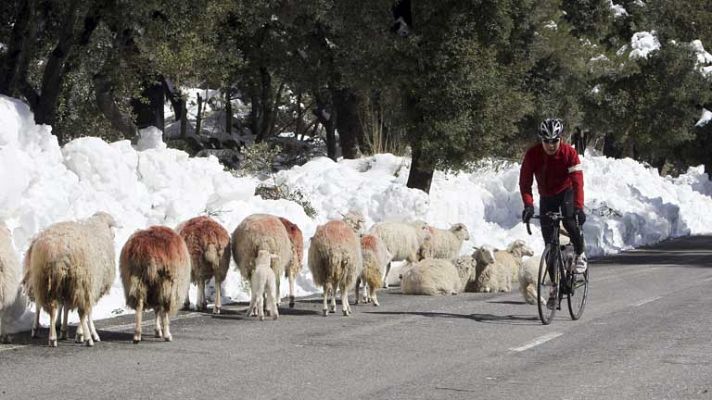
{"type": "Point", "coordinates": [547, 204]}
{"type": "Point", "coordinates": [567, 209]}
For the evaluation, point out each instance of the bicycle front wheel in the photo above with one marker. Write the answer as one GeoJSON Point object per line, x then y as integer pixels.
{"type": "Point", "coordinates": [546, 285]}
{"type": "Point", "coordinates": [577, 296]}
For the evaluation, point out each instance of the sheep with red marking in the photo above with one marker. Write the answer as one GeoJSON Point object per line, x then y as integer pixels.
{"type": "Point", "coordinates": [444, 243]}
{"type": "Point", "coordinates": [72, 264]}
{"type": "Point", "coordinates": [10, 277]}
{"type": "Point", "coordinates": [375, 259]}
{"type": "Point", "coordinates": [335, 261]}
{"type": "Point", "coordinates": [295, 265]}
{"type": "Point", "coordinates": [402, 239]}
{"type": "Point", "coordinates": [209, 247]}
{"type": "Point", "coordinates": [155, 270]}
{"type": "Point", "coordinates": [261, 232]}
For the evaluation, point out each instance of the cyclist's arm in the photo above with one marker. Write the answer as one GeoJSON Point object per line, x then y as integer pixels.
{"type": "Point", "coordinates": [526, 178]}
{"type": "Point", "coordinates": [576, 174]}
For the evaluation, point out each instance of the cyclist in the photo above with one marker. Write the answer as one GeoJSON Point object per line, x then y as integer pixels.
{"type": "Point", "coordinates": [559, 178]}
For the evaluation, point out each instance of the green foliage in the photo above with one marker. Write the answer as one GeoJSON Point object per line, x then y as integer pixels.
{"type": "Point", "coordinates": [259, 159]}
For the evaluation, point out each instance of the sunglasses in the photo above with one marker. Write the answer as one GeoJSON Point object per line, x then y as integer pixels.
{"type": "Point", "coordinates": [551, 141]}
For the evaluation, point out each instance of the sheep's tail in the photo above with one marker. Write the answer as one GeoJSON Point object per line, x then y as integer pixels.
{"type": "Point", "coordinates": [212, 255]}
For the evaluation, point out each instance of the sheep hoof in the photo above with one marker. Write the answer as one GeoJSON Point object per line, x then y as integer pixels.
{"type": "Point", "coordinates": [291, 301]}
{"type": "Point", "coordinates": [136, 341]}
{"type": "Point", "coordinates": [63, 335]}
{"type": "Point", "coordinates": [168, 338]}
{"type": "Point", "coordinates": [216, 310]}
{"type": "Point", "coordinates": [347, 313]}
{"type": "Point", "coordinates": [89, 343]}
{"type": "Point", "coordinates": [375, 304]}
{"type": "Point", "coordinates": [157, 334]}
{"type": "Point", "coordinates": [34, 334]}
{"type": "Point", "coordinates": [325, 312]}
{"type": "Point", "coordinates": [275, 317]}
{"type": "Point", "coordinates": [53, 343]}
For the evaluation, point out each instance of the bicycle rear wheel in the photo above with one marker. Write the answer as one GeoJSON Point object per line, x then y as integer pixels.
{"type": "Point", "coordinates": [577, 296]}
{"type": "Point", "coordinates": [545, 284]}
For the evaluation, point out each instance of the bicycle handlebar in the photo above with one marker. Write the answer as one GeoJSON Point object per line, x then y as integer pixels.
{"type": "Point", "coordinates": [553, 215]}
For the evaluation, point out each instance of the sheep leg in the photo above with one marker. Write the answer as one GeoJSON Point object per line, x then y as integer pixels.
{"type": "Point", "coordinates": [201, 304]}
{"type": "Point", "coordinates": [218, 297]}
{"type": "Point", "coordinates": [325, 309]}
{"type": "Point", "coordinates": [332, 307]}
{"type": "Point", "coordinates": [166, 327]}
{"type": "Point", "coordinates": [357, 293]}
{"type": "Point", "coordinates": [291, 290]}
{"type": "Point", "coordinates": [92, 328]}
{"type": "Point", "coordinates": [36, 321]}
{"type": "Point", "coordinates": [385, 276]}
{"type": "Point", "coordinates": [139, 318]}
{"type": "Point", "coordinates": [83, 317]}
{"type": "Point", "coordinates": [52, 322]}
{"type": "Point", "coordinates": [372, 295]}
{"type": "Point", "coordinates": [278, 296]}
{"type": "Point", "coordinates": [345, 307]}
{"type": "Point", "coordinates": [260, 307]}
{"type": "Point", "coordinates": [65, 323]}
{"type": "Point", "coordinates": [158, 330]}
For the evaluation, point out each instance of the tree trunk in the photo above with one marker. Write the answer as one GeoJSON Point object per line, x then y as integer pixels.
{"type": "Point", "coordinates": [199, 116]}
{"type": "Point", "coordinates": [348, 123]}
{"type": "Point", "coordinates": [325, 116]}
{"type": "Point", "coordinates": [421, 171]}
{"type": "Point", "coordinates": [228, 113]}
{"type": "Point", "coordinates": [150, 113]}
{"type": "Point", "coordinates": [107, 105]}
{"type": "Point", "coordinates": [610, 147]}
{"type": "Point", "coordinates": [13, 75]}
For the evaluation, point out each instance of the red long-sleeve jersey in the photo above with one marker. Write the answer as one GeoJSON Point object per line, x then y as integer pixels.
{"type": "Point", "coordinates": [554, 174]}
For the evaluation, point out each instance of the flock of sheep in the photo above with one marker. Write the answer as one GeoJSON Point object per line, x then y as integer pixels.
{"type": "Point", "coordinates": [71, 265]}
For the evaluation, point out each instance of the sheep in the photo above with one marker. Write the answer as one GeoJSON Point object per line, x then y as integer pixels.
{"type": "Point", "coordinates": [375, 257]}
{"type": "Point", "coordinates": [209, 247]}
{"type": "Point", "coordinates": [261, 232]}
{"type": "Point", "coordinates": [433, 276]}
{"type": "Point", "coordinates": [443, 243]}
{"type": "Point", "coordinates": [72, 264]}
{"type": "Point", "coordinates": [335, 261]}
{"type": "Point", "coordinates": [528, 275]}
{"type": "Point", "coordinates": [294, 266]}
{"type": "Point", "coordinates": [155, 271]}
{"type": "Point", "coordinates": [10, 278]}
{"type": "Point", "coordinates": [512, 257]}
{"type": "Point", "coordinates": [490, 276]}
{"type": "Point", "coordinates": [402, 239]}
{"type": "Point", "coordinates": [264, 284]}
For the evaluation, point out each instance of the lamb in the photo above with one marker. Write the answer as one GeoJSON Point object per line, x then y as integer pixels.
{"type": "Point", "coordinates": [72, 264]}
{"type": "Point", "coordinates": [444, 243]}
{"type": "Point", "coordinates": [512, 257]}
{"type": "Point", "coordinates": [402, 239]}
{"type": "Point", "coordinates": [209, 247]}
{"type": "Point", "coordinates": [490, 276]}
{"type": "Point", "coordinates": [264, 284]}
{"type": "Point", "coordinates": [261, 232]}
{"type": "Point", "coordinates": [335, 261]}
{"type": "Point", "coordinates": [375, 257]}
{"type": "Point", "coordinates": [433, 276]}
{"type": "Point", "coordinates": [528, 275]}
{"type": "Point", "coordinates": [10, 277]}
{"type": "Point", "coordinates": [155, 270]}
{"type": "Point", "coordinates": [295, 265]}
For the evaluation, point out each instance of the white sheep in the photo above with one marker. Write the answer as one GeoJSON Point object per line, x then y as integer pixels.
{"type": "Point", "coordinates": [10, 277]}
{"type": "Point", "coordinates": [528, 275]}
{"type": "Point", "coordinates": [209, 246]}
{"type": "Point", "coordinates": [264, 284]}
{"type": "Point", "coordinates": [72, 264]}
{"type": "Point", "coordinates": [375, 258]}
{"type": "Point", "coordinates": [335, 261]}
{"type": "Point", "coordinates": [295, 265]}
{"type": "Point", "coordinates": [433, 276]}
{"type": "Point", "coordinates": [444, 243]}
{"type": "Point", "coordinates": [490, 276]}
{"type": "Point", "coordinates": [402, 239]}
{"type": "Point", "coordinates": [155, 271]}
{"type": "Point", "coordinates": [513, 256]}
{"type": "Point", "coordinates": [261, 232]}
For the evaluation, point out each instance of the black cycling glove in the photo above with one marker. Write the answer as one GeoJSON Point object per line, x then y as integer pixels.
{"type": "Point", "coordinates": [528, 213]}
{"type": "Point", "coordinates": [580, 216]}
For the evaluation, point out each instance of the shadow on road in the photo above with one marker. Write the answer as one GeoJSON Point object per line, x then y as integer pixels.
{"type": "Point", "coordinates": [693, 251]}
{"type": "Point", "coordinates": [486, 318]}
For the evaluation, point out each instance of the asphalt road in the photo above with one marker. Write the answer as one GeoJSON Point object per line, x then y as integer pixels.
{"type": "Point", "coordinates": [645, 334]}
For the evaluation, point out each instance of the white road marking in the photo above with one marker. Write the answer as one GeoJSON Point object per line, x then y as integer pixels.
{"type": "Point", "coordinates": [537, 341]}
{"type": "Point", "coordinates": [4, 348]}
{"type": "Point", "coordinates": [707, 279]}
{"type": "Point", "coordinates": [151, 321]}
{"type": "Point", "coordinates": [646, 301]}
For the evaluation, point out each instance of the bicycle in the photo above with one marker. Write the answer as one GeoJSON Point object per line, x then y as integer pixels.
{"type": "Point", "coordinates": [559, 276]}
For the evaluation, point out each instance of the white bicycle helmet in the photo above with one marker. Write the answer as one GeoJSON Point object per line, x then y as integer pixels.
{"type": "Point", "coordinates": [551, 128]}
